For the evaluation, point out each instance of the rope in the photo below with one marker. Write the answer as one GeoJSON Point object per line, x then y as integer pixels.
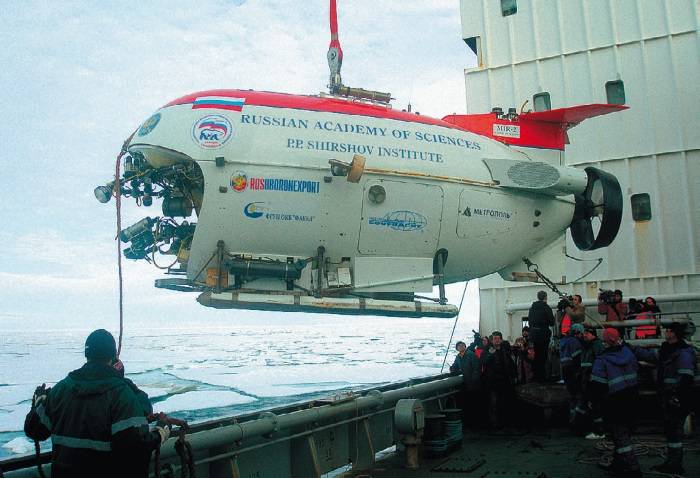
{"type": "Point", "coordinates": [184, 451]}
{"type": "Point", "coordinates": [156, 462]}
{"type": "Point", "coordinates": [642, 446]}
{"type": "Point", "coordinates": [447, 349]}
{"type": "Point", "coordinates": [598, 260]}
{"type": "Point", "coordinates": [37, 451]}
{"type": "Point", "coordinates": [117, 191]}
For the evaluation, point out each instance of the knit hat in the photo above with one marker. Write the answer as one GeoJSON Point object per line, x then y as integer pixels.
{"type": "Point", "coordinates": [577, 328]}
{"type": "Point", "coordinates": [677, 328]}
{"type": "Point", "coordinates": [611, 336]}
{"type": "Point", "coordinates": [100, 345]}
{"type": "Point", "coordinates": [591, 330]}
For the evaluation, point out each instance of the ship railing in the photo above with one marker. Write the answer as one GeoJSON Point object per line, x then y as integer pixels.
{"type": "Point", "coordinates": [312, 439]}
{"type": "Point", "coordinates": [657, 319]}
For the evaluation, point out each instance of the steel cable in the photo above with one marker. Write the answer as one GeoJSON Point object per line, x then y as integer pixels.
{"type": "Point", "coordinates": [459, 310]}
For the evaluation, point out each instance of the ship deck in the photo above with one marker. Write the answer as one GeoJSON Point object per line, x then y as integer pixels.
{"type": "Point", "coordinates": [552, 453]}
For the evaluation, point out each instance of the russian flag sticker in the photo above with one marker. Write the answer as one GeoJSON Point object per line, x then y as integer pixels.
{"type": "Point", "coordinates": [218, 102]}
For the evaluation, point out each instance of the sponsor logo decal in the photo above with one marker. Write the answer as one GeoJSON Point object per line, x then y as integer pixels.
{"type": "Point", "coordinates": [266, 212]}
{"type": "Point", "coordinates": [506, 130]}
{"type": "Point", "coordinates": [487, 213]}
{"type": "Point", "coordinates": [254, 210]}
{"type": "Point", "coordinates": [212, 131]}
{"type": "Point", "coordinates": [285, 185]}
{"type": "Point", "coordinates": [239, 181]}
{"type": "Point", "coordinates": [401, 221]}
{"type": "Point", "coordinates": [218, 102]}
{"type": "Point", "coordinates": [149, 125]}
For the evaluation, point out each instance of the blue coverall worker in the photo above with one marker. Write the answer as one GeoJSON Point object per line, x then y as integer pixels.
{"type": "Point", "coordinates": [469, 398]}
{"type": "Point", "coordinates": [570, 359]}
{"type": "Point", "coordinates": [588, 413]}
{"type": "Point", "coordinates": [614, 383]}
{"type": "Point", "coordinates": [96, 419]}
{"type": "Point", "coordinates": [540, 319]}
{"type": "Point", "coordinates": [676, 370]}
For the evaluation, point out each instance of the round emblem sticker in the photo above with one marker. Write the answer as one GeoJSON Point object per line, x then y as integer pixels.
{"type": "Point", "coordinates": [149, 125]}
{"type": "Point", "coordinates": [239, 181]}
{"type": "Point", "coordinates": [212, 131]}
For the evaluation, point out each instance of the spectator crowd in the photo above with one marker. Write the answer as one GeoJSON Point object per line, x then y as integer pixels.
{"type": "Point", "coordinates": [600, 373]}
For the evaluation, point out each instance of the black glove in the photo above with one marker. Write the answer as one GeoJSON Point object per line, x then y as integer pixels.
{"type": "Point", "coordinates": [40, 395]}
{"type": "Point", "coordinates": [674, 403]}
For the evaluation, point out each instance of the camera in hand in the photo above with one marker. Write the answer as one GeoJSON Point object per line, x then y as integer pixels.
{"type": "Point", "coordinates": [477, 340]}
{"type": "Point", "coordinates": [607, 296]}
{"type": "Point", "coordinates": [564, 302]}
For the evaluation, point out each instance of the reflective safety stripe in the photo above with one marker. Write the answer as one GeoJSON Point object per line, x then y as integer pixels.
{"type": "Point", "coordinates": [578, 352]}
{"type": "Point", "coordinates": [598, 420]}
{"type": "Point", "coordinates": [565, 360]}
{"type": "Point", "coordinates": [128, 423]}
{"type": "Point", "coordinates": [586, 364]}
{"type": "Point", "coordinates": [670, 380]}
{"type": "Point", "coordinates": [625, 449]}
{"type": "Point", "coordinates": [43, 417]}
{"type": "Point", "coordinates": [629, 376]}
{"type": "Point", "coordinates": [579, 410]}
{"type": "Point", "coordinates": [685, 371]}
{"type": "Point", "coordinates": [595, 378]}
{"type": "Point", "coordinates": [675, 445]}
{"type": "Point", "coordinates": [81, 443]}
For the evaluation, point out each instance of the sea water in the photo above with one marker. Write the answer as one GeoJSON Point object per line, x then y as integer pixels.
{"type": "Point", "coordinates": [205, 370]}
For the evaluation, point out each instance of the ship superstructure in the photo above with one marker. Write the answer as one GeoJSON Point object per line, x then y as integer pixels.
{"type": "Point", "coordinates": [550, 54]}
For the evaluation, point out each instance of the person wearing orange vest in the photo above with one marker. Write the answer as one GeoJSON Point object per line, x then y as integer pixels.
{"type": "Point", "coordinates": [649, 308]}
{"type": "Point", "coordinates": [573, 312]}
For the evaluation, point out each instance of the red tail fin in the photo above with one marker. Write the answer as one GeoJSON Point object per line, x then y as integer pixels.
{"type": "Point", "coordinates": [541, 129]}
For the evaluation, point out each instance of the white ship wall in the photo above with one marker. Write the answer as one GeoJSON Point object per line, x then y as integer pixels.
{"type": "Point", "coordinates": [570, 49]}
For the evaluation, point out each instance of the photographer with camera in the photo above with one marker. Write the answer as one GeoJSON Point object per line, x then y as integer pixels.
{"type": "Point", "coordinates": [570, 310]}
{"type": "Point", "coordinates": [610, 305]}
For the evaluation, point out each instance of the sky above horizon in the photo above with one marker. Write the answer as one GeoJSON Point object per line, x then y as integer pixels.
{"type": "Point", "coordinates": [79, 77]}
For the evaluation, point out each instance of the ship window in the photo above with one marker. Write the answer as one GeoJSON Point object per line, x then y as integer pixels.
{"type": "Point", "coordinates": [509, 7]}
{"type": "Point", "coordinates": [641, 207]}
{"type": "Point", "coordinates": [615, 91]}
{"type": "Point", "coordinates": [542, 101]}
{"type": "Point", "coordinates": [474, 44]}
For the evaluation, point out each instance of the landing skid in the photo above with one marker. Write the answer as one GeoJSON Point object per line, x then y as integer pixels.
{"type": "Point", "coordinates": [325, 305]}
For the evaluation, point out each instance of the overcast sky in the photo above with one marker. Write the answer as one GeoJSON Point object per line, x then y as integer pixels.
{"type": "Point", "coordinates": [78, 77]}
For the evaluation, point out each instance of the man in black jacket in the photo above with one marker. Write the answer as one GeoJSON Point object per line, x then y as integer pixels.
{"type": "Point", "coordinates": [499, 378]}
{"type": "Point", "coordinates": [540, 319]}
{"type": "Point", "coordinates": [96, 419]}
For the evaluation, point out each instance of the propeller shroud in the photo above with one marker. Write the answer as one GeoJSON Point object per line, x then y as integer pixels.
{"type": "Point", "coordinates": [599, 208]}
